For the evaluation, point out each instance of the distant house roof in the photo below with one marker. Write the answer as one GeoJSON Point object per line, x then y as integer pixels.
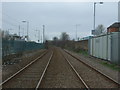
{"type": "Point", "coordinates": [114, 25]}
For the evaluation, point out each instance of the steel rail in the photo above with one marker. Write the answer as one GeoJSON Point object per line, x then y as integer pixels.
{"type": "Point", "coordinates": [41, 78]}
{"type": "Point", "coordinates": [94, 68]}
{"type": "Point", "coordinates": [78, 75]}
{"type": "Point", "coordinates": [45, 52]}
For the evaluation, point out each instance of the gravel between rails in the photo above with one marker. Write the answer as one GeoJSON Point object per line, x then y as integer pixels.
{"type": "Point", "coordinates": [59, 74]}
{"type": "Point", "coordinates": [91, 77]}
{"type": "Point", "coordinates": [9, 70]}
{"type": "Point", "coordinates": [30, 76]}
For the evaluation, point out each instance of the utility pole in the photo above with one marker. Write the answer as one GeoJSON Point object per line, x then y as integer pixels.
{"type": "Point", "coordinates": [39, 35]}
{"type": "Point", "coordinates": [41, 38]}
{"type": "Point", "coordinates": [19, 31]}
{"type": "Point", "coordinates": [76, 31]}
{"type": "Point", "coordinates": [27, 30]}
{"type": "Point", "coordinates": [43, 33]}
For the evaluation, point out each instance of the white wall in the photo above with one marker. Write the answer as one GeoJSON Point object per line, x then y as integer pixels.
{"type": "Point", "coordinates": [101, 47]}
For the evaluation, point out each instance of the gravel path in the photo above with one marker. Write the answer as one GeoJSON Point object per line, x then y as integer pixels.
{"type": "Point", "coordinates": [59, 74]}
{"type": "Point", "coordinates": [96, 64]}
{"type": "Point", "coordinates": [91, 77]}
{"type": "Point", "coordinates": [30, 76]}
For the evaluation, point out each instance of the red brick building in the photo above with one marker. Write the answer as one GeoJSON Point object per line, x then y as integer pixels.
{"type": "Point", "coordinates": [114, 27]}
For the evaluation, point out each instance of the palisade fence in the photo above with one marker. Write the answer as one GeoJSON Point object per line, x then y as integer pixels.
{"type": "Point", "coordinates": [13, 46]}
{"type": "Point", "coordinates": [106, 47]}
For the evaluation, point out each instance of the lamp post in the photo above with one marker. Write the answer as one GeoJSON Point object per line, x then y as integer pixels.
{"type": "Point", "coordinates": [94, 12]}
{"type": "Point", "coordinates": [27, 28]}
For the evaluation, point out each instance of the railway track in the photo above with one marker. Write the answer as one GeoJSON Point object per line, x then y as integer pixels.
{"type": "Point", "coordinates": [22, 79]}
{"type": "Point", "coordinates": [91, 68]}
{"type": "Point", "coordinates": [30, 75]}
{"type": "Point", "coordinates": [77, 74]}
{"type": "Point", "coordinates": [60, 75]}
{"type": "Point", "coordinates": [39, 83]}
{"type": "Point", "coordinates": [53, 69]}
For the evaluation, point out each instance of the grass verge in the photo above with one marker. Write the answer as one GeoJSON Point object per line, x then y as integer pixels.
{"type": "Point", "coordinates": [112, 66]}
{"type": "Point", "coordinates": [85, 53]}
{"type": "Point", "coordinates": [81, 51]}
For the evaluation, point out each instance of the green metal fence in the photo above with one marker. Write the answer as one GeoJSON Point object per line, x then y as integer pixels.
{"type": "Point", "coordinates": [13, 46]}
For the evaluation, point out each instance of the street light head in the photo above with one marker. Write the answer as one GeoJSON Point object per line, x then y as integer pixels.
{"type": "Point", "coordinates": [98, 2]}
{"type": "Point", "coordinates": [23, 21]}
{"type": "Point", "coordinates": [101, 2]}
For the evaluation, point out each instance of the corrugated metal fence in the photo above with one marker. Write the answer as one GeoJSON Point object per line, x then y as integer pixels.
{"type": "Point", "coordinates": [106, 47]}
{"type": "Point", "coordinates": [12, 46]}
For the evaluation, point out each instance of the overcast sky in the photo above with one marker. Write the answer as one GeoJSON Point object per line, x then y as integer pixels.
{"type": "Point", "coordinates": [57, 17]}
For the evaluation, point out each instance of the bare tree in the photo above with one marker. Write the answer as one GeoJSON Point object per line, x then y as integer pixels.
{"type": "Point", "coordinates": [64, 36]}
{"type": "Point", "coordinates": [55, 38]}
{"type": "Point", "coordinates": [100, 29]}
